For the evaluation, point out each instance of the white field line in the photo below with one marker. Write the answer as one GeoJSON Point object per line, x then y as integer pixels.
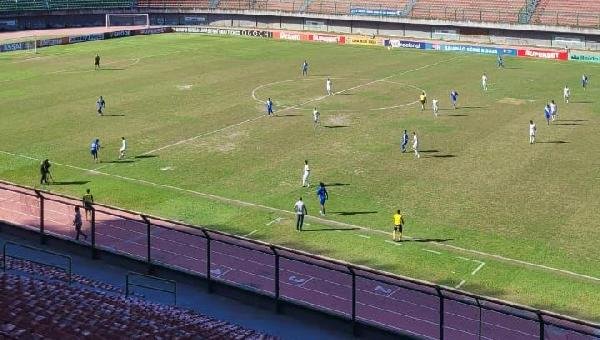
{"type": "Point", "coordinates": [363, 236]}
{"type": "Point", "coordinates": [316, 219]}
{"type": "Point", "coordinates": [392, 242]}
{"type": "Point", "coordinates": [431, 251]}
{"type": "Point", "coordinates": [460, 284]}
{"type": "Point", "coordinates": [481, 264]}
{"type": "Point", "coordinates": [251, 233]}
{"type": "Point", "coordinates": [278, 219]}
{"type": "Point", "coordinates": [289, 107]}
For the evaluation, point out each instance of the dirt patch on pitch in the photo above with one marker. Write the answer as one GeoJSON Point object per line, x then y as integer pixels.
{"type": "Point", "coordinates": [337, 120]}
{"type": "Point", "coordinates": [222, 143]}
{"type": "Point", "coordinates": [512, 101]}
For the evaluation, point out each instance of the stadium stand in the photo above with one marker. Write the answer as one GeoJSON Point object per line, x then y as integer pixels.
{"type": "Point", "coordinates": [39, 5]}
{"type": "Point", "coordinates": [570, 13]}
{"type": "Point", "coordinates": [469, 10]}
{"type": "Point", "coordinates": [33, 308]}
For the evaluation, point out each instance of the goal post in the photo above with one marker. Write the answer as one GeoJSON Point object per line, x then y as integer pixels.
{"type": "Point", "coordinates": [127, 20]}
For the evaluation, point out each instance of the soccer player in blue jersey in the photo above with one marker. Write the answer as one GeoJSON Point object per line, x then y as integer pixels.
{"type": "Point", "coordinates": [548, 113]}
{"type": "Point", "coordinates": [454, 98]}
{"type": "Point", "coordinates": [584, 81]}
{"type": "Point", "coordinates": [269, 105]}
{"type": "Point", "coordinates": [305, 68]}
{"type": "Point", "coordinates": [323, 196]}
{"type": "Point", "coordinates": [94, 148]}
{"type": "Point", "coordinates": [404, 141]}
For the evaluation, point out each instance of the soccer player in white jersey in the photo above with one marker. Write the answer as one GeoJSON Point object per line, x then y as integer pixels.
{"type": "Point", "coordinates": [305, 175]}
{"type": "Point", "coordinates": [123, 148]}
{"type": "Point", "coordinates": [415, 145]}
{"type": "Point", "coordinates": [566, 94]}
{"type": "Point", "coordinates": [532, 131]}
{"type": "Point", "coordinates": [484, 80]}
{"type": "Point", "coordinates": [434, 104]}
{"type": "Point", "coordinates": [316, 117]}
{"type": "Point", "coordinates": [329, 87]}
{"type": "Point", "coordinates": [553, 110]}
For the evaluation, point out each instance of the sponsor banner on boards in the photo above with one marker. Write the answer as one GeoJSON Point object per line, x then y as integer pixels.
{"type": "Point", "coordinates": [148, 31]}
{"type": "Point", "coordinates": [586, 57]}
{"type": "Point", "coordinates": [87, 37]}
{"type": "Point", "coordinates": [117, 34]}
{"type": "Point", "coordinates": [257, 33]}
{"type": "Point", "coordinates": [328, 38]}
{"type": "Point", "coordinates": [395, 43]}
{"type": "Point", "coordinates": [17, 46]}
{"type": "Point", "coordinates": [368, 41]}
{"type": "Point", "coordinates": [474, 49]}
{"type": "Point", "coordinates": [543, 54]}
{"type": "Point", "coordinates": [52, 42]}
{"type": "Point", "coordinates": [290, 35]}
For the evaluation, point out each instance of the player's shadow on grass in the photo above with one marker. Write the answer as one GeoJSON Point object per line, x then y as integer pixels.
{"type": "Point", "coordinates": [336, 184]}
{"type": "Point", "coordinates": [352, 213]}
{"type": "Point", "coordinates": [582, 101]}
{"type": "Point", "coordinates": [567, 124]}
{"type": "Point", "coordinates": [473, 107]}
{"type": "Point", "coordinates": [571, 120]}
{"type": "Point", "coordinates": [554, 142]}
{"type": "Point", "coordinates": [429, 151]}
{"type": "Point", "coordinates": [113, 115]}
{"type": "Point", "coordinates": [329, 229]}
{"type": "Point", "coordinates": [70, 182]}
{"type": "Point", "coordinates": [458, 115]}
{"type": "Point", "coordinates": [111, 69]}
{"type": "Point", "coordinates": [441, 156]}
{"type": "Point", "coordinates": [145, 156]}
{"type": "Point", "coordinates": [283, 116]}
{"type": "Point", "coordinates": [427, 240]}
{"type": "Point", "coordinates": [335, 126]}
{"type": "Point", "coordinates": [117, 161]}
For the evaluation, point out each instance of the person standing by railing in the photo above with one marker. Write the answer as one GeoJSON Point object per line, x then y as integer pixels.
{"type": "Point", "coordinates": [77, 223]}
{"type": "Point", "coordinates": [45, 172]}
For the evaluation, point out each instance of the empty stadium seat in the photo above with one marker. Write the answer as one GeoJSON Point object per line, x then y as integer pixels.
{"type": "Point", "coordinates": [469, 10]}
{"type": "Point", "coordinates": [567, 13]}
{"type": "Point", "coordinates": [31, 308]}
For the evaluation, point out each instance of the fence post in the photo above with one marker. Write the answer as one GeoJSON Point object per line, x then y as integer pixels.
{"type": "Point", "coordinates": [277, 301]}
{"type": "Point", "coordinates": [541, 318]}
{"type": "Point", "coordinates": [354, 325]}
{"type": "Point", "coordinates": [94, 253]}
{"type": "Point", "coordinates": [439, 291]}
{"type": "Point", "coordinates": [479, 328]}
{"type": "Point", "coordinates": [42, 232]}
{"type": "Point", "coordinates": [208, 275]}
{"type": "Point", "coordinates": [148, 244]}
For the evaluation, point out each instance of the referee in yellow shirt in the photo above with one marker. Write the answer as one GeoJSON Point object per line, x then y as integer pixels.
{"type": "Point", "coordinates": [398, 223]}
{"type": "Point", "coordinates": [423, 100]}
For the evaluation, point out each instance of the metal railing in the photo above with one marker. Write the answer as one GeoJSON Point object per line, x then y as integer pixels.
{"type": "Point", "coordinates": [67, 268]}
{"type": "Point", "coordinates": [132, 279]}
{"type": "Point", "coordinates": [359, 294]}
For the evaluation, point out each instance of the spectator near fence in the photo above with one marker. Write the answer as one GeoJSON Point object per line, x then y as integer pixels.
{"type": "Point", "coordinates": [45, 171]}
{"type": "Point", "coordinates": [88, 201]}
{"type": "Point", "coordinates": [77, 223]}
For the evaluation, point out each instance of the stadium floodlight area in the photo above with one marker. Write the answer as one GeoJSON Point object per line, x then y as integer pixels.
{"type": "Point", "coordinates": [127, 20]}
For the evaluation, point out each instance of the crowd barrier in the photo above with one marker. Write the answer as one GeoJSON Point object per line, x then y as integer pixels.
{"type": "Point", "coordinates": [357, 293]}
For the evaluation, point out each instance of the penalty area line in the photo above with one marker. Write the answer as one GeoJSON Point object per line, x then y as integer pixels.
{"type": "Point", "coordinates": [317, 219]}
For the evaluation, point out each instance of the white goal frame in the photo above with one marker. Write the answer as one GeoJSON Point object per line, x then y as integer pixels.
{"type": "Point", "coordinates": [108, 15]}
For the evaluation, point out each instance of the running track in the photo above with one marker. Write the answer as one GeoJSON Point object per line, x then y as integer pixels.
{"type": "Point", "coordinates": [380, 300]}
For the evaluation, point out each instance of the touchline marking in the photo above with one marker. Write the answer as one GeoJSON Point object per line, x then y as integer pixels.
{"type": "Point", "coordinates": [278, 219]}
{"type": "Point", "coordinates": [481, 264]}
{"type": "Point", "coordinates": [363, 236]}
{"type": "Point", "coordinates": [315, 218]}
{"type": "Point", "coordinates": [392, 242]}
{"type": "Point", "coordinates": [251, 233]}
{"type": "Point", "coordinates": [460, 284]}
{"type": "Point", "coordinates": [431, 251]}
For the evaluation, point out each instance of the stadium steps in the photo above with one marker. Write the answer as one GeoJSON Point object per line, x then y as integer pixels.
{"type": "Point", "coordinates": [568, 13]}
{"type": "Point", "coordinates": [31, 308]}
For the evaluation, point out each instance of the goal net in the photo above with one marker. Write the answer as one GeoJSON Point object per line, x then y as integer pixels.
{"type": "Point", "coordinates": [20, 45]}
{"type": "Point", "coordinates": [127, 20]}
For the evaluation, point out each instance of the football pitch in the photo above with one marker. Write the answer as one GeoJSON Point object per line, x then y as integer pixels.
{"type": "Point", "coordinates": [485, 211]}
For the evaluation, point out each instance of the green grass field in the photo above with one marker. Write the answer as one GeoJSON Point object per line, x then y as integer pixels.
{"type": "Point", "coordinates": [480, 194]}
